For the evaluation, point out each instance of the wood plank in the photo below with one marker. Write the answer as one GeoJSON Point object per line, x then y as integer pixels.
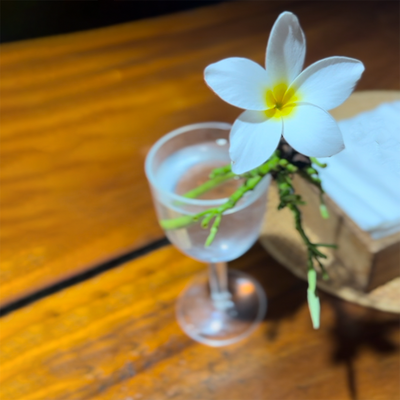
{"type": "Point", "coordinates": [115, 337]}
{"type": "Point", "coordinates": [80, 111]}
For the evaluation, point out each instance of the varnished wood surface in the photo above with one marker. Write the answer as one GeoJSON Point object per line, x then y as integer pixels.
{"type": "Point", "coordinates": [115, 337]}
{"type": "Point", "coordinates": [80, 111]}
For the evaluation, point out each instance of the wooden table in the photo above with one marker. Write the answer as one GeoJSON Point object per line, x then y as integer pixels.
{"type": "Point", "coordinates": [88, 280]}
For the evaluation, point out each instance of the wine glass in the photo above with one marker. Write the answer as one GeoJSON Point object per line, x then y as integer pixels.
{"type": "Point", "coordinates": [222, 306]}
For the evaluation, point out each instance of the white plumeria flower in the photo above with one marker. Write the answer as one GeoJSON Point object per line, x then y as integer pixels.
{"type": "Point", "coordinates": [282, 100]}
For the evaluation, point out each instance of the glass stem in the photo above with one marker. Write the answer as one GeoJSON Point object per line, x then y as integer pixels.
{"type": "Point", "coordinates": [218, 279]}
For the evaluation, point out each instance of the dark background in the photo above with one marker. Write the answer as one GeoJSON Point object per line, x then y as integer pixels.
{"type": "Point", "coordinates": [26, 19]}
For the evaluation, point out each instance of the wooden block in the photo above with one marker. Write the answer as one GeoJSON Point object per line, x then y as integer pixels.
{"type": "Point", "coordinates": [368, 263]}
{"type": "Point", "coordinates": [362, 270]}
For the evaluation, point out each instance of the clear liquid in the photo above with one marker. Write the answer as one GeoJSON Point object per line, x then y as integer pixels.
{"type": "Point", "coordinates": [240, 226]}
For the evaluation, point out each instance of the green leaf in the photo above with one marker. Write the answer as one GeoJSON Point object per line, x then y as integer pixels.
{"type": "Point", "coordinates": [313, 300]}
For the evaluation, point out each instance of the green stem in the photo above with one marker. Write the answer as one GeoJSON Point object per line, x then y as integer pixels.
{"type": "Point", "coordinates": [213, 230]}
{"type": "Point", "coordinates": [223, 174]}
{"type": "Point", "coordinates": [290, 200]}
{"type": "Point", "coordinates": [221, 171]}
{"type": "Point", "coordinates": [177, 223]}
{"type": "Point", "coordinates": [316, 162]}
{"type": "Point", "coordinates": [311, 175]}
{"type": "Point", "coordinates": [282, 171]}
{"type": "Point", "coordinates": [210, 184]}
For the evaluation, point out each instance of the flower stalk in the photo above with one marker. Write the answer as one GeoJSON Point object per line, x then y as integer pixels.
{"type": "Point", "coordinates": [282, 166]}
{"type": "Point", "coordinates": [211, 183]}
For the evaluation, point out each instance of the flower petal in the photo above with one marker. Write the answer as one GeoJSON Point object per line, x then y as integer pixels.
{"type": "Point", "coordinates": [312, 131]}
{"type": "Point", "coordinates": [239, 81]}
{"type": "Point", "coordinates": [328, 82]}
{"type": "Point", "coordinates": [286, 49]}
{"type": "Point", "coordinates": [253, 139]}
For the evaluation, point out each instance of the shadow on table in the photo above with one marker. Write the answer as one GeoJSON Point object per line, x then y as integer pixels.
{"type": "Point", "coordinates": [352, 328]}
{"type": "Point", "coordinates": [286, 293]}
{"type": "Point", "coordinates": [355, 328]}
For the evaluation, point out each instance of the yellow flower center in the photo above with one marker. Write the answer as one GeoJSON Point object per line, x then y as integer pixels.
{"type": "Point", "coordinates": [280, 101]}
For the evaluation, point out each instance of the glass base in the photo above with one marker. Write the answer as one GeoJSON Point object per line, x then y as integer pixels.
{"type": "Point", "coordinates": [227, 318]}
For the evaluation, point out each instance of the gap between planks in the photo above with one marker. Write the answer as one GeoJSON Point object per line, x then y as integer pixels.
{"type": "Point", "coordinates": [81, 277]}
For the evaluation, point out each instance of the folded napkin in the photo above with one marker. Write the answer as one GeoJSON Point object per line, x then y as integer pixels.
{"type": "Point", "coordinates": [364, 179]}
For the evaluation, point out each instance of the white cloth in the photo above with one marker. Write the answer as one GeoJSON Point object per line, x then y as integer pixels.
{"type": "Point", "coordinates": [364, 179]}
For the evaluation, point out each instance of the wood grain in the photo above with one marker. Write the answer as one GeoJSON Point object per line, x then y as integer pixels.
{"type": "Point", "coordinates": [116, 338]}
{"type": "Point", "coordinates": [80, 111]}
